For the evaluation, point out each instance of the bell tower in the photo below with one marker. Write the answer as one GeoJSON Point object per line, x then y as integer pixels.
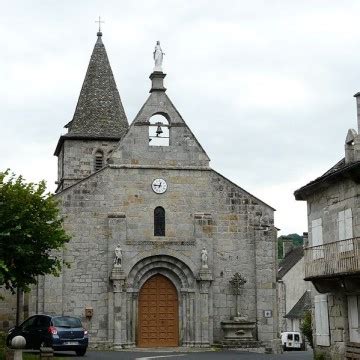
{"type": "Point", "coordinates": [99, 122]}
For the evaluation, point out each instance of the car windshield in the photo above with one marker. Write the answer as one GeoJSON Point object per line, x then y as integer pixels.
{"type": "Point", "coordinates": [67, 321]}
{"type": "Point", "coordinates": [296, 337]}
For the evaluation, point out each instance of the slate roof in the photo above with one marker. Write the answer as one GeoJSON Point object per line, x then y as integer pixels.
{"type": "Point", "coordinates": [99, 111]}
{"type": "Point", "coordinates": [289, 261]}
{"type": "Point", "coordinates": [338, 170]}
{"type": "Point", "coordinates": [300, 307]}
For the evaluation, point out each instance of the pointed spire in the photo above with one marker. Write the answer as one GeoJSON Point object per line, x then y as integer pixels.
{"type": "Point", "coordinates": [99, 111]}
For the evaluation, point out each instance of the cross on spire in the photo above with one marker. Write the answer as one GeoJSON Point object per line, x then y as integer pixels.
{"type": "Point", "coordinates": [100, 22]}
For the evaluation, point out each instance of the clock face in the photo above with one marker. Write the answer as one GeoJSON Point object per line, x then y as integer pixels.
{"type": "Point", "coordinates": [159, 186]}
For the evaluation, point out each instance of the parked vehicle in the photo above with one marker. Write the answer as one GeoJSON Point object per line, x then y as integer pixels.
{"type": "Point", "coordinates": [59, 332]}
{"type": "Point", "coordinates": [292, 340]}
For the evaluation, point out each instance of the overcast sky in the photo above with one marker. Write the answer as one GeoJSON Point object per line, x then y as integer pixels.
{"type": "Point", "coordinates": [266, 86]}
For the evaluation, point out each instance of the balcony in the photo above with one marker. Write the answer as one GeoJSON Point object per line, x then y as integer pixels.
{"type": "Point", "coordinates": [333, 260]}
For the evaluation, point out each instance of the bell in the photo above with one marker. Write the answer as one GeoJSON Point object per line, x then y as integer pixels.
{"type": "Point", "coordinates": [158, 130]}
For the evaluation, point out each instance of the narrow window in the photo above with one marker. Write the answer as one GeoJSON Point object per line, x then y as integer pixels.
{"type": "Point", "coordinates": [158, 131]}
{"type": "Point", "coordinates": [99, 160]}
{"type": "Point", "coordinates": [159, 221]}
{"type": "Point", "coordinates": [345, 230]}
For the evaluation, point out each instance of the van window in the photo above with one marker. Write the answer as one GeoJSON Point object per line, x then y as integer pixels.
{"type": "Point", "coordinates": [290, 336]}
{"type": "Point", "coordinates": [296, 337]}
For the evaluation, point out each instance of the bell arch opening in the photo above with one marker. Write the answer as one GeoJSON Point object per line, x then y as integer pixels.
{"type": "Point", "coordinates": [159, 134]}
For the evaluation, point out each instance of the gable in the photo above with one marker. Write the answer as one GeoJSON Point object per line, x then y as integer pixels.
{"type": "Point", "coordinates": [183, 149]}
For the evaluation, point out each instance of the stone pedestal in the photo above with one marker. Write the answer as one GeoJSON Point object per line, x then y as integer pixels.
{"type": "Point", "coordinates": [118, 280]}
{"type": "Point", "coordinates": [205, 278]}
{"type": "Point", "coordinates": [238, 332]}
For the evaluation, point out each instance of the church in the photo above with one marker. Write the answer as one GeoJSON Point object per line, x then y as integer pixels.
{"type": "Point", "coordinates": [159, 238]}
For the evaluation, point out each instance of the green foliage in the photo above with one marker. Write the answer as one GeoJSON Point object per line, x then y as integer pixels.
{"type": "Point", "coordinates": [296, 239]}
{"type": "Point", "coordinates": [306, 328]}
{"type": "Point", "coordinates": [30, 229]}
{"type": "Point", "coordinates": [319, 356]}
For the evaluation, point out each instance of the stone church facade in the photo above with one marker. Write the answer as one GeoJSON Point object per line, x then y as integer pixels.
{"type": "Point", "coordinates": [156, 233]}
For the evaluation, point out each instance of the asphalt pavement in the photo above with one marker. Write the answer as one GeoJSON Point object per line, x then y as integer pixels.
{"type": "Point", "coordinates": [191, 355]}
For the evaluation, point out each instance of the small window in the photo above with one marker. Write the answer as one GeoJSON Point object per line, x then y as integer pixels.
{"type": "Point", "coordinates": [99, 160]}
{"type": "Point", "coordinates": [158, 131]}
{"type": "Point", "coordinates": [290, 336]}
{"type": "Point", "coordinates": [159, 221]}
{"type": "Point", "coordinates": [296, 337]}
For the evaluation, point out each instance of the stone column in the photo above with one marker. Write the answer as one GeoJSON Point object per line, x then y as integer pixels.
{"type": "Point", "coordinates": [118, 280]}
{"type": "Point", "coordinates": [205, 279]}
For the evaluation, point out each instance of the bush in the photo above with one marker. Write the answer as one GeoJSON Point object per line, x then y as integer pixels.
{"type": "Point", "coordinates": [319, 356]}
{"type": "Point", "coordinates": [306, 328]}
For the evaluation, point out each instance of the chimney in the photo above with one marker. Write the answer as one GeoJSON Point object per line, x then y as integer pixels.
{"type": "Point", "coordinates": [287, 246]}
{"type": "Point", "coordinates": [305, 239]}
{"type": "Point", "coordinates": [357, 96]}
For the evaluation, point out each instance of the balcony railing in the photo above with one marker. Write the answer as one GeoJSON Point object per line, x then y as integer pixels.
{"type": "Point", "coordinates": [339, 257]}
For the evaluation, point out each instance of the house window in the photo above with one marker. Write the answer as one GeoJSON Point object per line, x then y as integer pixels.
{"type": "Point", "coordinates": [159, 221]}
{"type": "Point", "coordinates": [99, 160]}
{"type": "Point", "coordinates": [317, 238]}
{"type": "Point", "coordinates": [345, 230]}
{"type": "Point", "coordinates": [353, 317]}
{"type": "Point", "coordinates": [322, 320]}
{"type": "Point", "coordinates": [158, 131]}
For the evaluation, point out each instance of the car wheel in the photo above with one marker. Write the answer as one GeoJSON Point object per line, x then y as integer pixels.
{"type": "Point", "coordinates": [80, 352]}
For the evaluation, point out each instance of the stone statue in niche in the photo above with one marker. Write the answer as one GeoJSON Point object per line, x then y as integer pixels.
{"type": "Point", "coordinates": [158, 57]}
{"type": "Point", "coordinates": [204, 259]}
{"type": "Point", "coordinates": [118, 256]}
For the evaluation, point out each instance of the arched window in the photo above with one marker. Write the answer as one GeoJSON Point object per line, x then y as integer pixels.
{"type": "Point", "coordinates": [158, 131]}
{"type": "Point", "coordinates": [159, 221]}
{"type": "Point", "coordinates": [99, 160]}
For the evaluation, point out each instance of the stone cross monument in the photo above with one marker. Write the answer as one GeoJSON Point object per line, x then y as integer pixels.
{"type": "Point", "coordinates": [236, 283]}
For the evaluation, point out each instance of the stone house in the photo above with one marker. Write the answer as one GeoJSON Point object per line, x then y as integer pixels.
{"type": "Point", "coordinates": [156, 233]}
{"type": "Point", "coordinates": [293, 291]}
{"type": "Point", "coordinates": [332, 254]}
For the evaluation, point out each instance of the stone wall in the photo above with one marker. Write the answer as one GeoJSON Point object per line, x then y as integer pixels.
{"type": "Point", "coordinates": [203, 209]}
{"type": "Point", "coordinates": [76, 160]}
{"type": "Point", "coordinates": [328, 203]}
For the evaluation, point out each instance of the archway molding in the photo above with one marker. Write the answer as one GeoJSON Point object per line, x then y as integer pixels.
{"type": "Point", "coordinates": [185, 283]}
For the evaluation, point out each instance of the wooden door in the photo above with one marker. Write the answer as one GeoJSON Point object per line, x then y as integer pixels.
{"type": "Point", "coordinates": [158, 313]}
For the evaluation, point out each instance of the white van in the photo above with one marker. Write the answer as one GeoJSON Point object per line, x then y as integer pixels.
{"type": "Point", "coordinates": [291, 340]}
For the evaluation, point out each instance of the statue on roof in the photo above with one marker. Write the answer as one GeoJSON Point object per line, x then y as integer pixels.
{"type": "Point", "coordinates": [158, 57]}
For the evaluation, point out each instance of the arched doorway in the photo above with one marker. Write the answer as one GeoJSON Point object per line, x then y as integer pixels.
{"type": "Point", "coordinates": [158, 313]}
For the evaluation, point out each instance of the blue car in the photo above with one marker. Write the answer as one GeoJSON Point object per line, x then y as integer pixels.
{"type": "Point", "coordinates": [64, 333]}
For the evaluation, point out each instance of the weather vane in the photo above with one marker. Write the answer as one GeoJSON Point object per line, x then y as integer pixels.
{"type": "Point", "coordinates": [100, 22]}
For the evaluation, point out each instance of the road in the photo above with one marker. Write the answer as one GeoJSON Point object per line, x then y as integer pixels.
{"type": "Point", "coordinates": [193, 355]}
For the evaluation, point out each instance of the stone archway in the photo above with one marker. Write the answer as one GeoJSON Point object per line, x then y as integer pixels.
{"type": "Point", "coordinates": [158, 313]}
{"type": "Point", "coordinates": [181, 277]}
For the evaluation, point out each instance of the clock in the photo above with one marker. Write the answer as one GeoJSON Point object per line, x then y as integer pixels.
{"type": "Point", "coordinates": [159, 186]}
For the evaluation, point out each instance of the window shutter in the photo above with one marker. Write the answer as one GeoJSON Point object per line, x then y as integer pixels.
{"type": "Point", "coordinates": [353, 316]}
{"type": "Point", "coordinates": [341, 225]}
{"type": "Point", "coordinates": [348, 224]}
{"type": "Point", "coordinates": [317, 238]}
{"type": "Point", "coordinates": [322, 320]}
{"type": "Point", "coordinates": [345, 230]}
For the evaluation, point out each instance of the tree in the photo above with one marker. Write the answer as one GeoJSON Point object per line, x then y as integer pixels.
{"type": "Point", "coordinates": [30, 230]}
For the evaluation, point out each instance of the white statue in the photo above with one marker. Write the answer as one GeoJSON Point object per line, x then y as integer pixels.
{"type": "Point", "coordinates": [158, 57]}
{"type": "Point", "coordinates": [204, 259]}
{"type": "Point", "coordinates": [118, 256]}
